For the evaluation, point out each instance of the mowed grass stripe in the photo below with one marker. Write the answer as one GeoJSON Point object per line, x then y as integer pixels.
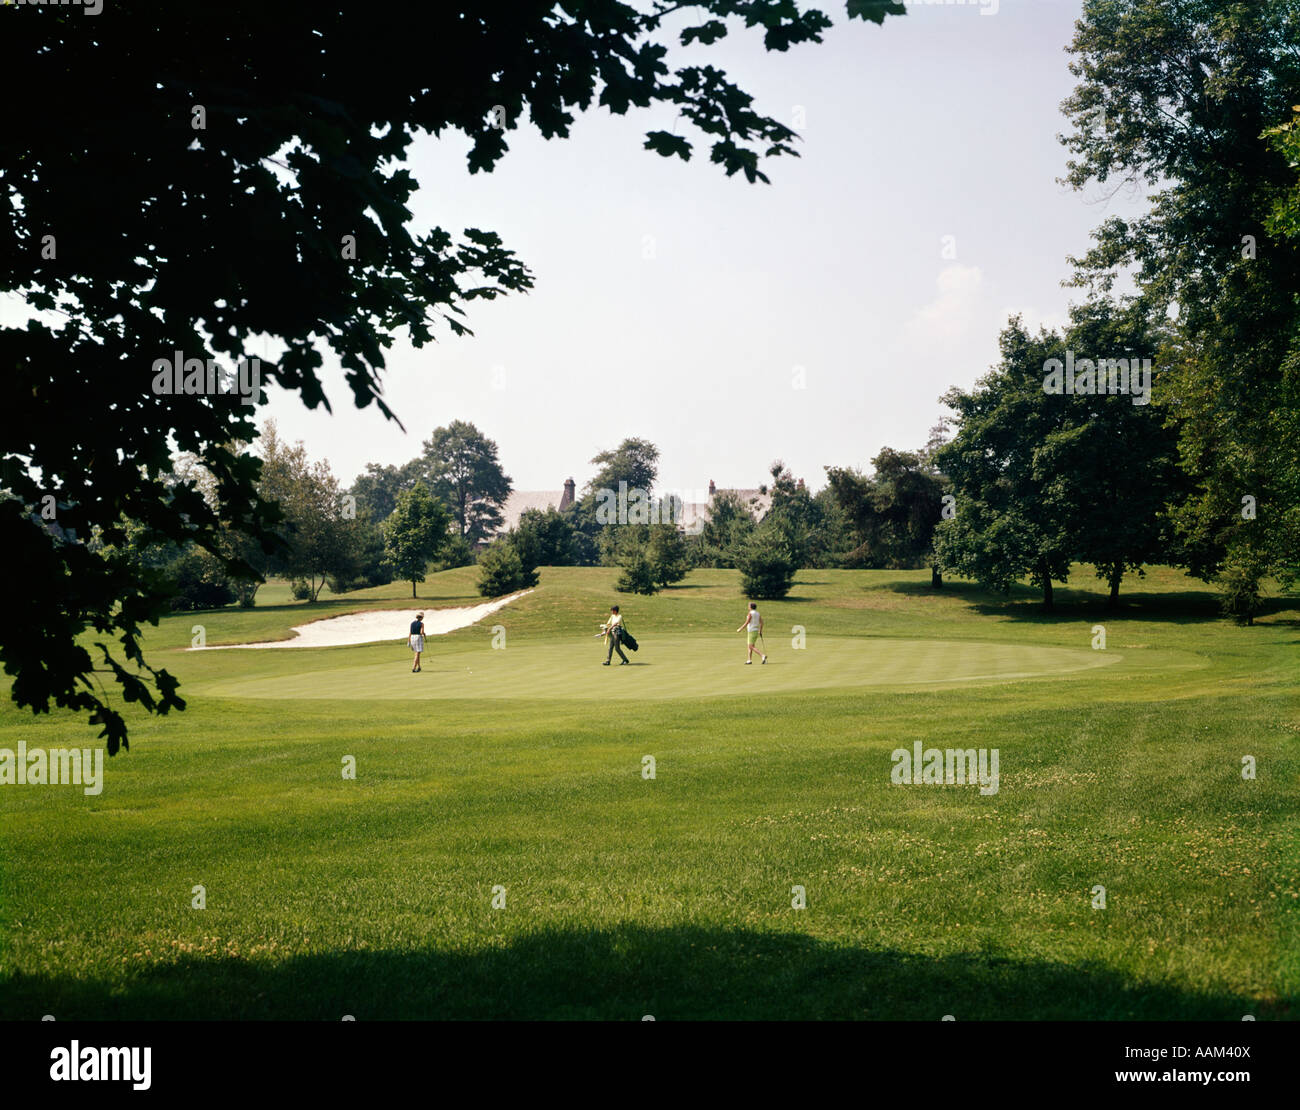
{"type": "Point", "coordinates": [665, 668]}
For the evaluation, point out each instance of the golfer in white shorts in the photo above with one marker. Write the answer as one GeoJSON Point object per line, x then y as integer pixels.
{"type": "Point", "coordinates": [416, 640]}
{"type": "Point", "coordinates": [753, 625]}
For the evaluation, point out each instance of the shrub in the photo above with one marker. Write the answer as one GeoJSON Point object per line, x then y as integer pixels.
{"type": "Point", "coordinates": [501, 571]}
{"type": "Point", "coordinates": [1239, 595]}
{"type": "Point", "coordinates": [199, 582]}
{"type": "Point", "coordinates": [667, 554]}
{"type": "Point", "coordinates": [245, 591]}
{"type": "Point", "coordinates": [457, 552]}
{"type": "Point", "coordinates": [638, 575]}
{"type": "Point", "coordinates": [370, 565]}
{"type": "Point", "coordinates": [767, 566]}
{"type": "Point", "coordinates": [544, 539]}
{"type": "Point", "coordinates": [730, 524]}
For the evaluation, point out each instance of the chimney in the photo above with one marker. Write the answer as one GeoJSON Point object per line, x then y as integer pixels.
{"type": "Point", "coordinates": [567, 499]}
{"type": "Point", "coordinates": [712, 488]}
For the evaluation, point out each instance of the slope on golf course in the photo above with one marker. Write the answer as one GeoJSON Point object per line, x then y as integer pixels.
{"type": "Point", "coordinates": [520, 832]}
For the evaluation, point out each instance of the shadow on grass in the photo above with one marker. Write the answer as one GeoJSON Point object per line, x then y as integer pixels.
{"type": "Point", "coordinates": [1024, 603]}
{"type": "Point", "coordinates": [624, 973]}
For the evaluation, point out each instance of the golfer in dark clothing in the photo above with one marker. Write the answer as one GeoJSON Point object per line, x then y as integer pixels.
{"type": "Point", "coordinates": [613, 629]}
{"type": "Point", "coordinates": [416, 640]}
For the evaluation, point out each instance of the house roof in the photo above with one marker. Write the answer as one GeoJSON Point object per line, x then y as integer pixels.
{"type": "Point", "coordinates": [758, 502]}
{"type": "Point", "coordinates": [693, 513]}
{"type": "Point", "coordinates": [521, 500]}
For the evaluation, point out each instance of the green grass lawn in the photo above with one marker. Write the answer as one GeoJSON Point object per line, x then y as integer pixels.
{"type": "Point", "coordinates": [521, 767]}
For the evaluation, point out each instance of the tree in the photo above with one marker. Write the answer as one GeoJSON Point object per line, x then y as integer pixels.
{"type": "Point", "coordinates": [371, 566]}
{"type": "Point", "coordinates": [1188, 98]}
{"type": "Point", "coordinates": [908, 495]}
{"type": "Point", "coordinates": [376, 491]}
{"type": "Point", "coordinates": [192, 578]}
{"type": "Point", "coordinates": [1005, 526]}
{"type": "Point", "coordinates": [586, 531]}
{"type": "Point", "coordinates": [252, 156]}
{"type": "Point", "coordinates": [415, 533]}
{"type": "Point", "coordinates": [326, 540]}
{"type": "Point", "coordinates": [1115, 523]}
{"type": "Point", "coordinates": [853, 493]}
{"type": "Point", "coordinates": [638, 574]}
{"type": "Point", "coordinates": [766, 563]}
{"type": "Point", "coordinates": [461, 468]}
{"type": "Point", "coordinates": [939, 436]}
{"type": "Point", "coordinates": [1283, 220]}
{"type": "Point", "coordinates": [1043, 479]}
{"type": "Point", "coordinates": [633, 463]}
{"type": "Point", "coordinates": [836, 533]}
{"type": "Point", "coordinates": [543, 538]}
{"type": "Point", "coordinates": [1284, 421]}
{"type": "Point", "coordinates": [619, 494]}
{"type": "Point", "coordinates": [249, 556]}
{"type": "Point", "coordinates": [1239, 585]}
{"type": "Point", "coordinates": [501, 571]}
{"type": "Point", "coordinates": [456, 552]}
{"type": "Point", "coordinates": [320, 536]}
{"type": "Point", "coordinates": [891, 514]}
{"type": "Point", "coordinates": [201, 581]}
{"type": "Point", "coordinates": [855, 496]}
{"type": "Point", "coordinates": [652, 556]}
{"type": "Point", "coordinates": [729, 524]}
{"type": "Point", "coordinates": [666, 552]}
{"type": "Point", "coordinates": [797, 516]}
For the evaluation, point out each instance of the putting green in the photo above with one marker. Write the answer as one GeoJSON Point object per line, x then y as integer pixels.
{"type": "Point", "coordinates": [665, 667]}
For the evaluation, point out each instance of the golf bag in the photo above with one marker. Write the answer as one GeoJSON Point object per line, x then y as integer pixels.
{"type": "Point", "coordinates": [628, 641]}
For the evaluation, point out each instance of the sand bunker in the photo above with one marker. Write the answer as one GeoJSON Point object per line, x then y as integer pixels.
{"type": "Point", "coordinates": [378, 625]}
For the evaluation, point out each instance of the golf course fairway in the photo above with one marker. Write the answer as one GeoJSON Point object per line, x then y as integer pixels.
{"type": "Point", "coordinates": [521, 832]}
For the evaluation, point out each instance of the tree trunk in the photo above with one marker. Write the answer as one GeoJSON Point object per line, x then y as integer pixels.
{"type": "Point", "coordinates": [1047, 590]}
{"type": "Point", "coordinates": [936, 578]}
{"type": "Point", "coordinates": [412, 587]}
{"type": "Point", "coordinates": [1115, 579]}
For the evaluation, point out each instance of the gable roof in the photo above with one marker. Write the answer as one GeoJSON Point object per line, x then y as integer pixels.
{"type": "Point", "coordinates": [521, 500]}
{"type": "Point", "coordinates": [695, 513]}
{"type": "Point", "coordinates": [759, 503]}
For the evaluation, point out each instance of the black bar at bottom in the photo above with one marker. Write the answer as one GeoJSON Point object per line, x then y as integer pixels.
{"type": "Point", "coordinates": [343, 1059]}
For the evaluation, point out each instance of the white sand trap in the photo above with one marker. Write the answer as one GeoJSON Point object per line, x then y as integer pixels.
{"type": "Point", "coordinates": [377, 626]}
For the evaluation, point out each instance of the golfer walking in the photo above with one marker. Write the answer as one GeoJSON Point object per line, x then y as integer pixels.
{"type": "Point", "coordinates": [753, 624]}
{"type": "Point", "coordinates": [613, 630]}
{"type": "Point", "coordinates": [416, 640]}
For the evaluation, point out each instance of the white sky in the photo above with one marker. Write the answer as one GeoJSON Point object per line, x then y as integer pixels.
{"type": "Point", "coordinates": [942, 122]}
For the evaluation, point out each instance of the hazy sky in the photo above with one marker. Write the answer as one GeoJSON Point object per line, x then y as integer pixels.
{"type": "Point", "coordinates": [679, 305]}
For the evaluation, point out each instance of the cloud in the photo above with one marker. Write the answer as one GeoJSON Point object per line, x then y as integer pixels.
{"type": "Point", "coordinates": [954, 310]}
